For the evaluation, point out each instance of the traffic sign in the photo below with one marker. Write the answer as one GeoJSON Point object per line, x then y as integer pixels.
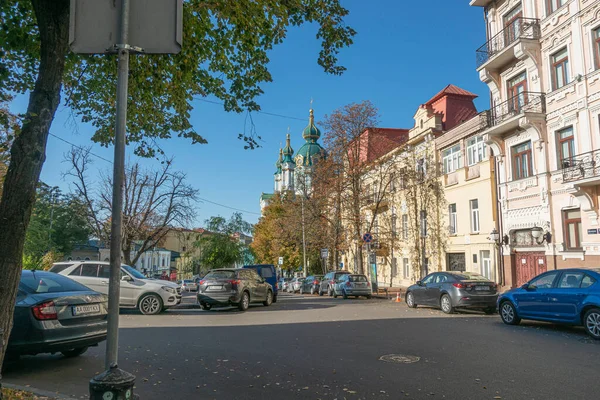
{"type": "Point", "coordinates": [324, 253]}
{"type": "Point", "coordinates": [280, 260]}
{"type": "Point", "coordinates": [367, 237]}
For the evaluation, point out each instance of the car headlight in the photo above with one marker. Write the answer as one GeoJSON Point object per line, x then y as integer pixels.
{"type": "Point", "coordinates": [169, 289]}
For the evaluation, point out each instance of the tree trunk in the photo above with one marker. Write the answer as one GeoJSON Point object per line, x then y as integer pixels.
{"type": "Point", "coordinates": [28, 153]}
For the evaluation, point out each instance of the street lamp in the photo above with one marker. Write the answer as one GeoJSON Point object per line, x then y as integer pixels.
{"type": "Point", "coordinates": [537, 233]}
{"type": "Point", "coordinates": [495, 237]}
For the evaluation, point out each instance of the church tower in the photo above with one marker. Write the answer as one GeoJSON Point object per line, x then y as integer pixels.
{"type": "Point", "coordinates": [278, 173]}
{"type": "Point", "coordinates": [288, 166]}
{"type": "Point", "coordinates": [308, 155]}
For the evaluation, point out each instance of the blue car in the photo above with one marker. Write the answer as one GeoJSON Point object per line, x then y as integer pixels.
{"type": "Point", "coordinates": [568, 296]}
{"type": "Point", "coordinates": [268, 272]}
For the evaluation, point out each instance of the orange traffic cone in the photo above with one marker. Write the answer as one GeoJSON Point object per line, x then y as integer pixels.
{"type": "Point", "coordinates": [398, 299]}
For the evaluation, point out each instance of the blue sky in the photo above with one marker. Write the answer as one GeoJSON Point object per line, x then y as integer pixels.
{"type": "Point", "coordinates": [404, 53]}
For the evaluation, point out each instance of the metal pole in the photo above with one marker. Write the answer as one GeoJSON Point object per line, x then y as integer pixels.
{"type": "Point", "coordinates": [112, 341]}
{"type": "Point", "coordinates": [303, 239]}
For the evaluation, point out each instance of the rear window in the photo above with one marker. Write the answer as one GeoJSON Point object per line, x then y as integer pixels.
{"type": "Point", "coordinates": [46, 282]}
{"type": "Point", "coordinates": [60, 267]}
{"type": "Point", "coordinates": [471, 276]}
{"type": "Point", "coordinates": [266, 272]}
{"type": "Point", "coordinates": [358, 278]}
{"type": "Point", "coordinates": [220, 275]}
{"type": "Point", "coordinates": [338, 274]}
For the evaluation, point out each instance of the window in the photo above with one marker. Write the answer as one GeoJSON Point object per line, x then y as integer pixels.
{"type": "Point", "coordinates": [512, 25]}
{"type": "Point", "coordinates": [572, 228]}
{"type": "Point", "coordinates": [476, 150]}
{"type": "Point", "coordinates": [587, 281]}
{"type": "Point", "coordinates": [394, 267]}
{"type": "Point", "coordinates": [423, 218]}
{"type": "Point", "coordinates": [544, 281]}
{"type": "Point", "coordinates": [405, 268]}
{"type": "Point", "coordinates": [452, 216]}
{"type": "Point", "coordinates": [421, 166]}
{"type": "Point", "coordinates": [45, 282]}
{"type": "Point", "coordinates": [441, 278]}
{"type": "Point", "coordinates": [394, 223]}
{"type": "Point", "coordinates": [553, 5]}
{"type": "Point", "coordinates": [58, 268]}
{"type": "Point", "coordinates": [566, 146]}
{"type": "Point", "coordinates": [486, 264]}
{"type": "Point", "coordinates": [429, 278]}
{"type": "Point", "coordinates": [104, 271]}
{"type": "Point", "coordinates": [404, 226]}
{"type": "Point", "coordinates": [76, 271]}
{"type": "Point", "coordinates": [570, 280]}
{"type": "Point", "coordinates": [266, 272]}
{"type": "Point", "coordinates": [474, 205]}
{"type": "Point", "coordinates": [521, 155]}
{"type": "Point", "coordinates": [452, 159]}
{"type": "Point", "coordinates": [596, 37]}
{"type": "Point", "coordinates": [560, 69]}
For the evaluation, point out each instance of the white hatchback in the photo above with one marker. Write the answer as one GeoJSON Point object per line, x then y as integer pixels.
{"type": "Point", "coordinates": [150, 296]}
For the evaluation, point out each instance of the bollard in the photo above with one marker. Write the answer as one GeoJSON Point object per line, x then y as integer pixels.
{"type": "Point", "coordinates": [114, 384]}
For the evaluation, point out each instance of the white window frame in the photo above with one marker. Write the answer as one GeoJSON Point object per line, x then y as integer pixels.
{"type": "Point", "coordinates": [486, 260]}
{"type": "Point", "coordinates": [476, 150]}
{"type": "Point", "coordinates": [452, 225]}
{"type": "Point", "coordinates": [406, 268]}
{"type": "Point", "coordinates": [452, 159]}
{"type": "Point", "coordinates": [475, 223]}
{"type": "Point", "coordinates": [405, 226]}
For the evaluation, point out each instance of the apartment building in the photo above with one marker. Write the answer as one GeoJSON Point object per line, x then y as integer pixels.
{"type": "Point", "coordinates": [541, 63]}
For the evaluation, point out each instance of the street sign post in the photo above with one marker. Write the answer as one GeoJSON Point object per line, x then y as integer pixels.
{"type": "Point", "coordinates": [367, 237]}
{"type": "Point", "coordinates": [121, 26]}
{"type": "Point", "coordinates": [280, 260]}
{"type": "Point", "coordinates": [324, 253]}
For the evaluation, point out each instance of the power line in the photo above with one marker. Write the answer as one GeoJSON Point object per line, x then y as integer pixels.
{"type": "Point", "coordinates": [260, 112]}
{"type": "Point", "coordinates": [110, 162]}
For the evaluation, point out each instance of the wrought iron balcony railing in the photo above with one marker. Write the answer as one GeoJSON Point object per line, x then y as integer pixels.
{"type": "Point", "coordinates": [582, 166]}
{"type": "Point", "coordinates": [523, 102]}
{"type": "Point", "coordinates": [520, 28]}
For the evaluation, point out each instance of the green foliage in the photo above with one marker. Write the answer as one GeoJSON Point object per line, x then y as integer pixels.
{"type": "Point", "coordinates": [220, 246]}
{"type": "Point", "coordinates": [58, 222]}
{"type": "Point", "coordinates": [224, 54]}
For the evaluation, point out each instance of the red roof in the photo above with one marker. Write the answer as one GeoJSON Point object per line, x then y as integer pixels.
{"type": "Point", "coordinates": [376, 142]}
{"type": "Point", "coordinates": [451, 90]}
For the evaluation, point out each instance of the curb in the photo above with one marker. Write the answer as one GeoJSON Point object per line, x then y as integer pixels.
{"type": "Point", "coordinates": [36, 392]}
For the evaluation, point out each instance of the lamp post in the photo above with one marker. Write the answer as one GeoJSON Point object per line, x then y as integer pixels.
{"type": "Point", "coordinates": [424, 265]}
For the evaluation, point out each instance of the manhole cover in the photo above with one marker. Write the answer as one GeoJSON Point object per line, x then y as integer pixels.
{"type": "Point", "coordinates": [399, 358]}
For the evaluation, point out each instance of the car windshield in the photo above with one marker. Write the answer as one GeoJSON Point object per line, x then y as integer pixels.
{"type": "Point", "coordinates": [133, 272]}
{"type": "Point", "coordinates": [471, 276]}
{"type": "Point", "coordinates": [358, 278]}
{"type": "Point", "coordinates": [187, 281]}
{"type": "Point", "coordinates": [47, 282]}
{"type": "Point", "coordinates": [220, 275]}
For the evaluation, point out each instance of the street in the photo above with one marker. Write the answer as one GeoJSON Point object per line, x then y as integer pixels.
{"type": "Point", "coordinates": [310, 347]}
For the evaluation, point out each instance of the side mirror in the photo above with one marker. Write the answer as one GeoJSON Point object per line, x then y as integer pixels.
{"type": "Point", "coordinates": [127, 278]}
{"type": "Point", "coordinates": [528, 287]}
{"type": "Point", "coordinates": [420, 283]}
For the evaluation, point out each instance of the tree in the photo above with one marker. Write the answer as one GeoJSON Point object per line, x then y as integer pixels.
{"type": "Point", "coordinates": [155, 201]}
{"type": "Point", "coordinates": [221, 245]}
{"type": "Point", "coordinates": [224, 54]}
{"type": "Point", "coordinates": [58, 222]}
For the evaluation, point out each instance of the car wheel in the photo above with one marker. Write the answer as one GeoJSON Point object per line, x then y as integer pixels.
{"type": "Point", "coordinates": [205, 306]}
{"type": "Point", "coordinates": [244, 302]}
{"type": "Point", "coordinates": [344, 295]}
{"type": "Point", "coordinates": [592, 323]}
{"type": "Point", "coordinates": [269, 299]}
{"type": "Point", "coordinates": [301, 290]}
{"type": "Point", "coordinates": [410, 300]}
{"type": "Point", "coordinates": [329, 291]}
{"type": "Point", "coordinates": [150, 304]}
{"type": "Point", "coordinates": [369, 297]}
{"type": "Point", "coordinates": [490, 310]}
{"type": "Point", "coordinates": [446, 304]}
{"type": "Point", "coordinates": [275, 299]}
{"type": "Point", "coordinates": [508, 313]}
{"type": "Point", "coordinates": [321, 293]}
{"type": "Point", "coordinates": [333, 293]}
{"type": "Point", "coordinates": [74, 352]}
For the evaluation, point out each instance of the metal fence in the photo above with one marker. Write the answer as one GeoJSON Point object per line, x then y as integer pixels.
{"type": "Point", "coordinates": [520, 28]}
{"type": "Point", "coordinates": [582, 166]}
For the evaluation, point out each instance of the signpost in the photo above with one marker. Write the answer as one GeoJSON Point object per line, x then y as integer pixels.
{"type": "Point", "coordinates": [280, 260]}
{"type": "Point", "coordinates": [121, 26]}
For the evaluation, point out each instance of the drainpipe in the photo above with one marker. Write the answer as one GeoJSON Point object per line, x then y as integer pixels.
{"type": "Point", "coordinates": [498, 217]}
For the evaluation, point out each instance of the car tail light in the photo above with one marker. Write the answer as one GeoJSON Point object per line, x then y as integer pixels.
{"type": "Point", "coordinates": [234, 282]}
{"type": "Point", "coordinates": [277, 285]}
{"type": "Point", "coordinates": [45, 311]}
{"type": "Point", "coordinates": [368, 283]}
{"type": "Point", "coordinates": [459, 285]}
{"type": "Point", "coordinates": [315, 282]}
{"type": "Point", "coordinates": [348, 283]}
{"type": "Point", "coordinates": [331, 282]}
{"type": "Point", "coordinates": [201, 282]}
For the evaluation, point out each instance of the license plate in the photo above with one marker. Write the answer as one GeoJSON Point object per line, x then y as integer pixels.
{"type": "Point", "coordinates": [220, 287]}
{"type": "Point", "coordinates": [360, 284]}
{"type": "Point", "coordinates": [87, 309]}
{"type": "Point", "coordinates": [482, 288]}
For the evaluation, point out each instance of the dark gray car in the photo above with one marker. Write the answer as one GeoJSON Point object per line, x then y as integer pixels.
{"type": "Point", "coordinates": [233, 287]}
{"type": "Point", "coordinates": [450, 290]}
{"type": "Point", "coordinates": [311, 284]}
{"type": "Point", "coordinates": [328, 281]}
{"type": "Point", "coordinates": [55, 314]}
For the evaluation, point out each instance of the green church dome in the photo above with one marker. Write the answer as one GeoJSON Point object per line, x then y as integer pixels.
{"type": "Point", "coordinates": [288, 152]}
{"type": "Point", "coordinates": [311, 150]}
{"type": "Point", "coordinates": [278, 163]}
{"type": "Point", "coordinates": [311, 132]}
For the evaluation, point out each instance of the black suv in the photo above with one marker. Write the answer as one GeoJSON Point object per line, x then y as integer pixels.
{"type": "Point", "coordinates": [233, 287]}
{"type": "Point", "coordinates": [328, 281]}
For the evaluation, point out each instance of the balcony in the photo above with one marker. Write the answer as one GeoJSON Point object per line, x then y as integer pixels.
{"type": "Point", "coordinates": [505, 46]}
{"type": "Point", "coordinates": [505, 117]}
{"type": "Point", "coordinates": [583, 169]}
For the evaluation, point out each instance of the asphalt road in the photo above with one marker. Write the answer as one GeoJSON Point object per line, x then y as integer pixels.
{"type": "Point", "coordinates": [324, 348]}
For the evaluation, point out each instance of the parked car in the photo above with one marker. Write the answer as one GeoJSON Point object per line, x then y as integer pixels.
{"type": "Point", "coordinates": [55, 314]}
{"type": "Point", "coordinates": [268, 272]}
{"type": "Point", "coordinates": [284, 284]}
{"type": "Point", "coordinates": [569, 296]}
{"type": "Point", "coordinates": [352, 285]}
{"type": "Point", "coordinates": [450, 290]}
{"type": "Point", "coordinates": [295, 285]}
{"type": "Point", "coordinates": [189, 285]}
{"type": "Point", "coordinates": [234, 287]}
{"type": "Point", "coordinates": [326, 285]}
{"type": "Point", "coordinates": [311, 284]}
{"type": "Point", "coordinates": [150, 296]}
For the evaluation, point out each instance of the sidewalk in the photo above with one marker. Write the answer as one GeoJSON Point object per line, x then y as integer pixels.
{"type": "Point", "coordinates": [390, 292]}
{"type": "Point", "coordinates": [14, 392]}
